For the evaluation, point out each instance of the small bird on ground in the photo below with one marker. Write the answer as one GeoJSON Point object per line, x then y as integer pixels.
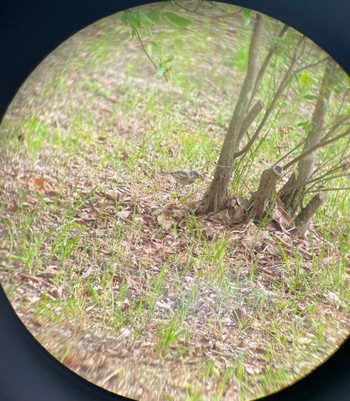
{"type": "Point", "coordinates": [184, 177]}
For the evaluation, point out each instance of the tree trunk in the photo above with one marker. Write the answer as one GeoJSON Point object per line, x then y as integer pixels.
{"type": "Point", "coordinates": [292, 197]}
{"type": "Point", "coordinates": [263, 199]}
{"type": "Point", "coordinates": [303, 220]}
{"type": "Point", "coordinates": [216, 196]}
{"type": "Point", "coordinates": [306, 164]}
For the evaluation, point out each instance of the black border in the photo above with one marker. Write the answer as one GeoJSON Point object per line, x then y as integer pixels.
{"type": "Point", "coordinates": [29, 30]}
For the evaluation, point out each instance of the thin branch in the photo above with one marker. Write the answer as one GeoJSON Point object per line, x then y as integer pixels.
{"type": "Point", "coordinates": [297, 146]}
{"type": "Point", "coordinates": [329, 189]}
{"type": "Point", "coordinates": [336, 125]}
{"type": "Point", "coordinates": [336, 165]}
{"type": "Point", "coordinates": [305, 67]}
{"type": "Point", "coordinates": [344, 101]}
{"type": "Point", "coordinates": [322, 166]}
{"type": "Point", "coordinates": [252, 114]}
{"type": "Point", "coordinates": [319, 145]}
{"type": "Point", "coordinates": [333, 170]}
{"type": "Point", "coordinates": [145, 51]}
{"type": "Point", "coordinates": [316, 182]}
{"type": "Point", "coordinates": [266, 62]}
{"type": "Point", "coordinates": [325, 178]}
{"type": "Point", "coordinates": [325, 137]}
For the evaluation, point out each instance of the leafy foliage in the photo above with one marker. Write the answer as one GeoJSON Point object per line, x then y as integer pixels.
{"type": "Point", "coordinates": [146, 20]}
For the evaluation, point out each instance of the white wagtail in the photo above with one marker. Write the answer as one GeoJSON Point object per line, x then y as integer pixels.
{"type": "Point", "coordinates": [184, 177]}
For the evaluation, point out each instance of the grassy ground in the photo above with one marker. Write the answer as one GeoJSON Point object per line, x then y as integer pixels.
{"type": "Point", "coordinates": [103, 259]}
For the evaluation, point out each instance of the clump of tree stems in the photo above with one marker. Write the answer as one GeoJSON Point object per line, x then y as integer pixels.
{"type": "Point", "coordinates": [291, 179]}
{"type": "Point", "coordinates": [291, 195]}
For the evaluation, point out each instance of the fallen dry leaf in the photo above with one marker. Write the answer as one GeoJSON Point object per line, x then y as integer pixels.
{"type": "Point", "coordinates": [165, 223]}
{"type": "Point", "coordinates": [123, 214]}
{"type": "Point", "coordinates": [35, 184]}
{"type": "Point", "coordinates": [38, 184]}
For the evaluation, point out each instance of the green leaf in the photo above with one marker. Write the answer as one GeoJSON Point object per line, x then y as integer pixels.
{"type": "Point", "coordinates": [246, 17]}
{"type": "Point", "coordinates": [124, 17]}
{"type": "Point", "coordinates": [177, 20]}
{"type": "Point", "coordinates": [154, 44]}
{"type": "Point", "coordinates": [167, 60]}
{"type": "Point", "coordinates": [304, 80]}
{"type": "Point", "coordinates": [159, 71]}
{"type": "Point", "coordinates": [133, 20]}
{"type": "Point", "coordinates": [306, 126]}
{"type": "Point", "coordinates": [151, 16]}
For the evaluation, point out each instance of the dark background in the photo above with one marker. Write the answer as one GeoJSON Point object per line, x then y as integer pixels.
{"type": "Point", "coordinates": [29, 30]}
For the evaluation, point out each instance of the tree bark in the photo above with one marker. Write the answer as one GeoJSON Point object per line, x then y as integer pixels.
{"type": "Point", "coordinates": [293, 197]}
{"type": "Point", "coordinates": [303, 220]}
{"type": "Point", "coordinates": [216, 196]}
{"type": "Point", "coordinates": [263, 200]}
{"type": "Point", "coordinates": [306, 164]}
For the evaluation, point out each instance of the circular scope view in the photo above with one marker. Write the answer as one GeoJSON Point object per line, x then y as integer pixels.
{"type": "Point", "coordinates": [174, 197]}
